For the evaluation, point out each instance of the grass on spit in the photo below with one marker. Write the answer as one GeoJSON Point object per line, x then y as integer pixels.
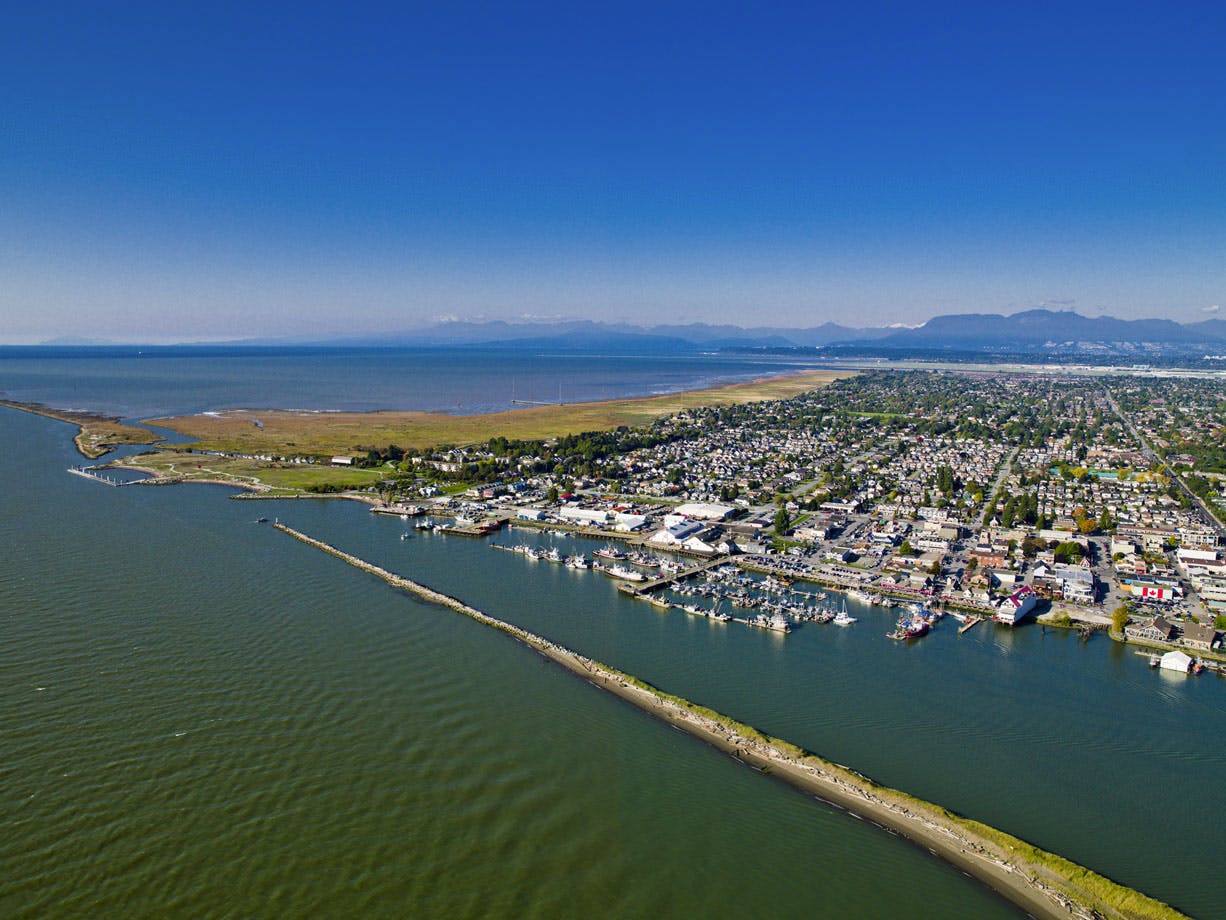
{"type": "Point", "coordinates": [97, 434]}
{"type": "Point", "coordinates": [1083, 885]}
{"type": "Point", "coordinates": [286, 477]}
{"type": "Point", "coordinates": [285, 433]}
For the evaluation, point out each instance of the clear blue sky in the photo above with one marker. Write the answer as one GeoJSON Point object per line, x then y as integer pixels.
{"type": "Point", "coordinates": [173, 173]}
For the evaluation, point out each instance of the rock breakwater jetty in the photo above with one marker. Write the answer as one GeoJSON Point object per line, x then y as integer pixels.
{"type": "Point", "coordinates": [1042, 883]}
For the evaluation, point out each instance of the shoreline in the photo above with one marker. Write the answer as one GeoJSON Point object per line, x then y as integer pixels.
{"type": "Point", "coordinates": [331, 433]}
{"type": "Point", "coordinates": [1039, 882]}
{"type": "Point", "coordinates": [97, 434]}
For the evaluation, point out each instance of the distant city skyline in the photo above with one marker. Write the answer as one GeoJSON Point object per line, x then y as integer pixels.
{"type": "Point", "coordinates": [227, 172]}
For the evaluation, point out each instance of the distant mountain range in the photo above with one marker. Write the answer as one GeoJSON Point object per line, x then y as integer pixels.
{"type": "Point", "coordinates": [586, 335]}
{"type": "Point", "coordinates": [1051, 330]}
{"type": "Point", "coordinates": [1032, 333]}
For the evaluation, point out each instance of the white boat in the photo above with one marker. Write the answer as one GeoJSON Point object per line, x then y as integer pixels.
{"type": "Point", "coordinates": [774, 624]}
{"type": "Point", "coordinates": [841, 618]}
{"type": "Point", "coordinates": [578, 562]}
{"type": "Point", "coordinates": [620, 571]}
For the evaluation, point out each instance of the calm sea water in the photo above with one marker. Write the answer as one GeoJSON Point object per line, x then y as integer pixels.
{"type": "Point", "coordinates": [447, 380]}
{"type": "Point", "coordinates": [202, 716]}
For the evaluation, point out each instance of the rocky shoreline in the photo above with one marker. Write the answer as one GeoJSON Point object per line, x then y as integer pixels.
{"type": "Point", "coordinates": [1045, 885]}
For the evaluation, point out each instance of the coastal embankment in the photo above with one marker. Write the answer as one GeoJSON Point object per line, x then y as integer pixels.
{"type": "Point", "coordinates": [1042, 883]}
{"type": "Point", "coordinates": [96, 434]}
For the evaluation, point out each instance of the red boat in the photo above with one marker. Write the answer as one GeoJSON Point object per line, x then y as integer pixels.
{"type": "Point", "coordinates": [910, 629]}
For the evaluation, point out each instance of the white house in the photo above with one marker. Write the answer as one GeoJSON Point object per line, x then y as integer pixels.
{"type": "Point", "coordinates": [705, 511]}
{"type": "Point", "coordinates": [675, 535]}
{"type": "Point", "coordinates": [1016, 607]}
{"type": "Point", "coordinates": [1175, 661]}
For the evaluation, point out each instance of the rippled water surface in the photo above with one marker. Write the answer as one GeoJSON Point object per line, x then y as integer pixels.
{"type": "Point", "coordinates": [201, 716]}
{"type": "Point", "coordinates": [446, 380]}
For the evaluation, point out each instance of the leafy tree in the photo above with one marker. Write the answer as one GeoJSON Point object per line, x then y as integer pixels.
{"type": "Point", "coordinates": [1031, 546]}
{"type": "Point", "coordinates": [906, 549]}
{"type": "Point", "coordinates": [1069, 551]}
{"type": "Point", "coordinates": [552, 494]}
{"type": "Point", "coordinates": [782, 520]}
{"type": "Point", "coordinates": [1120, 618]}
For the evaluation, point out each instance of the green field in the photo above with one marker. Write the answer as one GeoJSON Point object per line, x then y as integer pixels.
{"type": "Point", "coordinates": [254, 473]}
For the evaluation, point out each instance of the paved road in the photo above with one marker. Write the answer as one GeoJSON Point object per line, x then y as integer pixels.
{"type": "Point", "coordinates": [1175, 477]}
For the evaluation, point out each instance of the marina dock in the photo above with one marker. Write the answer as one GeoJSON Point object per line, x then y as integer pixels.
{"type": "Point", "coordinates": [88, 473]}
{"type": "Point", "coordinates": [664, 581]}
{"type": "Point", "coordinates": [403, 511]}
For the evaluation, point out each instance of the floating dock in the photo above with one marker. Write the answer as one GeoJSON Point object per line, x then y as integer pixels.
{"type": "Point", "coordinates": [87, 473]}
{"type": "Point", "coordinates": [971, 623]}
{"type": "Point", "coordinates": [646, 587]}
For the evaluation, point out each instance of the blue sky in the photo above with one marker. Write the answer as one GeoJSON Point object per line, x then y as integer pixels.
{"type": "Point", "coordinates": [175, 174]}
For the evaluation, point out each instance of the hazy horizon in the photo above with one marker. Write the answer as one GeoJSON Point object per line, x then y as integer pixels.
{"type": "Point", "coordinates": [179, 175]}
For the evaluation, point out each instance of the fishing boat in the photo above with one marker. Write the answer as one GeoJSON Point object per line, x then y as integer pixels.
{"type": "Point", "coordinates": [620, 571]}
{"type": "Point", "coordinates": [578, 562]}
{"type": "Point", "coordinates": [842, 618]}
{"type": "Point", "coordinates": [774, 624]}
{"type": "Point", "coordinates": [609, 552]}
{"type": "Point", "coordinates": [910, 628]}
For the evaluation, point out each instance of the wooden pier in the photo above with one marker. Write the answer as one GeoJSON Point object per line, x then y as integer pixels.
{"type": "Point", "coordinates": [87, 473]}
{"type": "Point", "coordinates": [971, 623]}
{"type": "Point", "coordinates": [483, 529]}
{"type": "Point", "coordinates": [663, 581]}
{"type": "Point", "coordinates": [404, 511]}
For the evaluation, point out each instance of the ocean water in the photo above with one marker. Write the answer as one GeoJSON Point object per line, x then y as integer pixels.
{"type": "Point", "coordinates": [445, 380]}
{"type": "Point", "coordinates": [202, 716]}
